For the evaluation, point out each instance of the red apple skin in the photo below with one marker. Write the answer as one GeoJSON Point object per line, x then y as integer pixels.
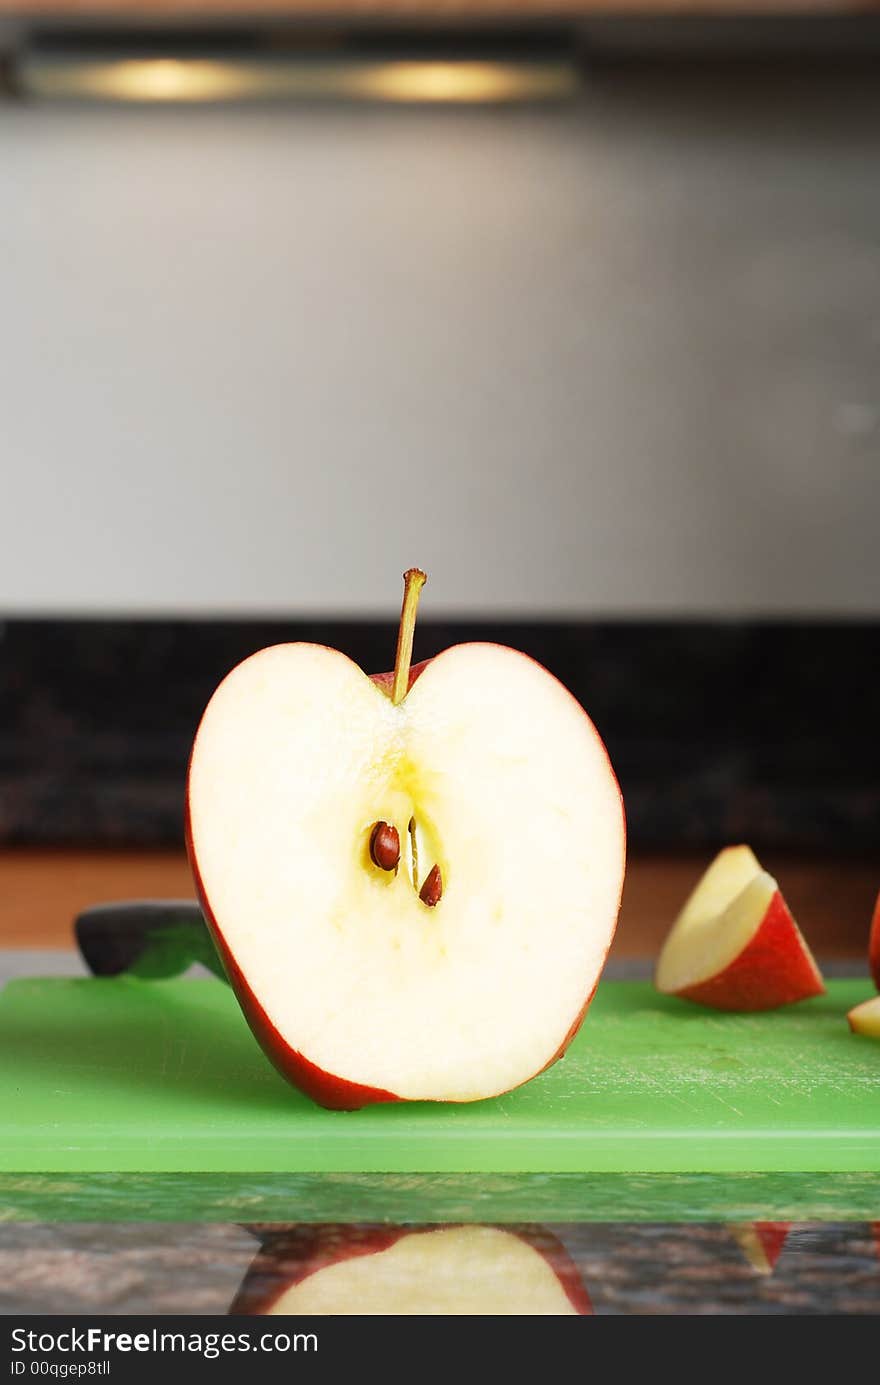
{"type": "Point", "coordinates": [771, 971]}
{"type": "Point", "coordinates": [772, 1235]}
{"type": "Point", "coordinates": [874, 945]}
{"type": "Point", "coordinates": [386, 680]}
{"type": "Point", "coordinates": [325, 1088]}
{"type": "Point", "coordinates": [561, 1264]}
{"type": "Point", "coordinates": [313, 1248]}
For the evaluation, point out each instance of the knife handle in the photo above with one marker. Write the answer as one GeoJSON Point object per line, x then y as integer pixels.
{"type": "Point", "coordinates": [150, 938]}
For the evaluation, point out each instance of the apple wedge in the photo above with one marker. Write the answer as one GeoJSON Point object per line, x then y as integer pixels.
{"type": "Point", "coordinates": [761, 1242]}
{"type": "Point", "coordinates": [399, 1272]}
{"type": "Point", "coordinates": [865, 1018]}
{"type": "Point", "coordinates": [412, 881]}
{"type": "Point", "coordinates": [735, 945]}
{"type": "Point", "coordinates": [874, 945]}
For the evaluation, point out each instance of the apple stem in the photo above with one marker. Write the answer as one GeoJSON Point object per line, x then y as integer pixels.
{"type": "Point", "coordinates": [413, 581]}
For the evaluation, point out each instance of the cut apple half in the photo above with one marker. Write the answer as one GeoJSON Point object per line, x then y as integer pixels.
{"type": "Point", "coordinates": [453, 1270]}
{"type": "Point", "coordinates": [735, 945]}
{"type": "Point", "coordinates": [865, 1018]}
{"type": "Point", "coordinates": [413, 899]}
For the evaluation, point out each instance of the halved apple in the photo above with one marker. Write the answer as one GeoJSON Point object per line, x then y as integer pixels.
{"type": "Point", "coordinates": [735, 945]}
{"type": "Point", "coordinates": [865, 1018]}
{"type": "Point", "coordinates": [394, 1271]}
{"type": "Point", "coordinates": [412, 882]}
{"type": "Point", "coordinates": [874, 945]}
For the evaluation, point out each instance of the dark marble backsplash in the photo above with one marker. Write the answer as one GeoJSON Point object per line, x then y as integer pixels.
{"type": "Point", "coordinates": [718, 731]}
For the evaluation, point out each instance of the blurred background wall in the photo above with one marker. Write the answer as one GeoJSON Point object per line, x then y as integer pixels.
{"type": "Point", "coordinates": [621, 357]}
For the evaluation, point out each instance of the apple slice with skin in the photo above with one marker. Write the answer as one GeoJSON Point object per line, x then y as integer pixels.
{"type": "Point", "coordinates": [761, 1242]}
{"type": "Point", "coordinates": [412, 894]}
{"type": "Point", "coordinates": [865, 1018]}
{"type": "Point", "coordinates": [735, 945]}
{"type": "Point", "coordinates": [397, 1271]}
{"type": "Point", "coordinates": [874, 945]}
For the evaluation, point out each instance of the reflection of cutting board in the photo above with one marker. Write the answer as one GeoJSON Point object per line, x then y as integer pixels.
{"type": "Point", "coordinates": [127, 1075]}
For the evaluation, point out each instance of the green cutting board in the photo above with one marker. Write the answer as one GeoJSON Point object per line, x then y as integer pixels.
{"type": "Point", "coordinates": [138, 1076]}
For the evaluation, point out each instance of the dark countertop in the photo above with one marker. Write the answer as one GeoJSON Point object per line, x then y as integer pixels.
{"type": "Point", "coordinates": [191, 1268]}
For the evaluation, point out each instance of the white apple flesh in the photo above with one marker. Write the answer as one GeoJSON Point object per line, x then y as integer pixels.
{"type": "Point", "coordinates": [357, 990]}
{"type": "Point", "coordinates": [865, 1018]}
{"type": "Point", "coordinates": [457, 1270]}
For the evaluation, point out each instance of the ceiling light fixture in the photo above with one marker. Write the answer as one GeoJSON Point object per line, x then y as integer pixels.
{"type": "Point", "coordinates": [190, 80]}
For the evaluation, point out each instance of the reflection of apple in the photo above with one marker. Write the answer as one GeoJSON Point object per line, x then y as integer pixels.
{"type": "Point", "coordinates": [865, 1018]}
{"type": "Point", "coordinates": [761, 1242]}
{"type": "Point", "coordinates": [735, 945]}
{"type": "Point", "coordinates": [874, 945]}
{"type": "Point", "coordinates": [461, 1270]}
{"type": "Point", "coordinates": [413, 894]}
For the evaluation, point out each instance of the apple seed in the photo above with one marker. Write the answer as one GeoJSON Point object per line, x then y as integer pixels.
{"type": "Point", "coordinates": [385, 846]}
{"type": "Point", "coordinates": [433, 887]}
